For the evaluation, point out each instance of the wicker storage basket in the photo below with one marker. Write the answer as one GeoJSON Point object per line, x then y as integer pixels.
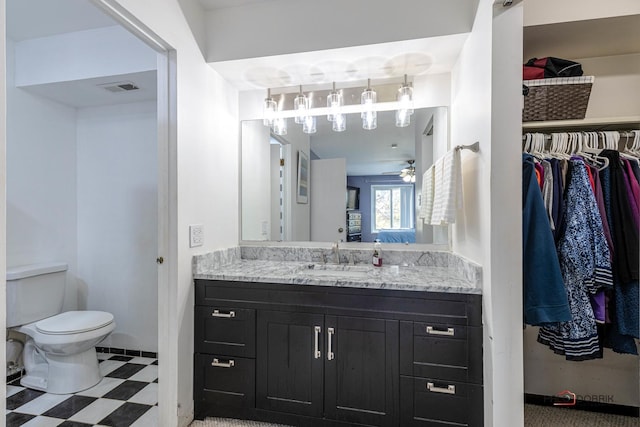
{"type": "Point", "coordinates": [557, 99]}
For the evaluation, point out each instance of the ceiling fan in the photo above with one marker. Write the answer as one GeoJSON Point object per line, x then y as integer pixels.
{"type": "Point", "coordinates": [407, 174]}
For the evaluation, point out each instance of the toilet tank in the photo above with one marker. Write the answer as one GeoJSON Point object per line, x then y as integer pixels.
{"type": "Point", "coordinates": [34, 292]}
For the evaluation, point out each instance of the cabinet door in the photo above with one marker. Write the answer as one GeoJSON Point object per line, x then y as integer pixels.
{"type": "Point", "coordinates": [361, 370]}
{"type": "Point", "coordinates": [289, 362]}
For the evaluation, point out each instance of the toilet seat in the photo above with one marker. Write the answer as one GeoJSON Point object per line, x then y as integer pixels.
{"type": "Point", "coordinates": [74, 322]}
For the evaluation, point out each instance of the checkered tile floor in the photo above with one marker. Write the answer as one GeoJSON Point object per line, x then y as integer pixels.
{"type": "Point", "coordinates": [127, 396]}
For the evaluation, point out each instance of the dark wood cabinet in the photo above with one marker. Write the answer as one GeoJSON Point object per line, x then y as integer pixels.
{"type": "Point", "coordinates": [290, 363]}
{"type": "Point", "coordinates": [361, 370]}
{"type": "Point", "coordinates": [325, 356]}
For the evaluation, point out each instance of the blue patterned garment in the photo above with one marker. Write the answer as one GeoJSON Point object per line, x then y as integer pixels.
{"type": "Point", "coordinates": [586, 267]}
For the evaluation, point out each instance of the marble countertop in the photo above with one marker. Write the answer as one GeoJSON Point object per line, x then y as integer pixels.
{"type": "Point", "coordinates": [412, 278]}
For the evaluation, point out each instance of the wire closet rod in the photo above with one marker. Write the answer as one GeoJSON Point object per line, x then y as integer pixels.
{"type": "Point", "coordinates": [475, 147]}
{"type": "Point", "coordinates": [623, 134]}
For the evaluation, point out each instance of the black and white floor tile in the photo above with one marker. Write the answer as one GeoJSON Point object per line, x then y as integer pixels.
{"type": "Point", "coordinates": [127, 396]}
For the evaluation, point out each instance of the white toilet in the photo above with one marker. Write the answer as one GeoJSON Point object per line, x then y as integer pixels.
{"type": "Point", "coordinates": [59, 354]}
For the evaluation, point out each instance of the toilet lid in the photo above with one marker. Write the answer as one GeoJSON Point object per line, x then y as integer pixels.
{"type": "Point", "coordinates": [73, 322]}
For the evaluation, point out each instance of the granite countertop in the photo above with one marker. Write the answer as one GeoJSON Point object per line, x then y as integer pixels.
{"type": "Point", "coordinates": [399, 277]}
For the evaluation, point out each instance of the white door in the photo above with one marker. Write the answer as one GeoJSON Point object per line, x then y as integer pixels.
{"type": "Point", "coordinates": [327, 196]}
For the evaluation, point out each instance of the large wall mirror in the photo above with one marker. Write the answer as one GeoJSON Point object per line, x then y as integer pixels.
{"type": "Point", "coordinates": [354, 186]}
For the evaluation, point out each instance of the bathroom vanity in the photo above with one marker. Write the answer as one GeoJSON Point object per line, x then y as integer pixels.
{"type": "Point", "coordinates": [311, 344]}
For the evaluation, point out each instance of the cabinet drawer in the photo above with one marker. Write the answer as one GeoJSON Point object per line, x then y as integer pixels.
{"type": "Point", "coordinates": [440, 350]}
{"type": "Point", "coordinates": [224, 381]}
{"type": "Point", "coordinates": [225, 330]}
{"type": "Point", "coordinates": [428, 402]}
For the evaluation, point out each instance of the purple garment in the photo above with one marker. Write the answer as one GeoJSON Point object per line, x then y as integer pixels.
{"type": "Point", "coordinates": [632, 201]}
{"type": "Point", "coordinates": [635, 188]}
{"type": "Point", "coordinates": [598, 303]}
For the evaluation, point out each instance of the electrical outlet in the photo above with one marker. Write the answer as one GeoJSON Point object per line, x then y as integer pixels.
{"type": "Point", "coordinates": [196, 235]}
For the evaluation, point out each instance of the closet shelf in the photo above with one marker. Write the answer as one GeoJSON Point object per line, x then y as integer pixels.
{"type": "Point", "coordinates": [589, 124]}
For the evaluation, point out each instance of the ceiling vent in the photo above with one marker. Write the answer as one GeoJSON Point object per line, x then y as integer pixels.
{"type": "Point", "coordinates": [119, 86]}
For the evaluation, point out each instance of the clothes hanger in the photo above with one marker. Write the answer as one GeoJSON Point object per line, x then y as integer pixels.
{"type": "Point", "coordinates": [590, 152]}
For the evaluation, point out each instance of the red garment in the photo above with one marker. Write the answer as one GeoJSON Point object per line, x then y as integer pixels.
{"type": "Point", "coordinates": [593, 184]}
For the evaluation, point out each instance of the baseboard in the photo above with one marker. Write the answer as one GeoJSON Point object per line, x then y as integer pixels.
{"type": "Point", "coordinates": [127, 352]}
{"type": "Point", "coordinates": [585, 405]}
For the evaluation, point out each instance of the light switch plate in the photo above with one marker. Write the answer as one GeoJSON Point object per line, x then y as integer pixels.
{"type": "Point", "coordinates": [196, 235]}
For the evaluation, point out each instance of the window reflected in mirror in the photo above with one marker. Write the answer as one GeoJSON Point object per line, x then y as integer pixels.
{"type": "Point", "coordinates": [360, 185]}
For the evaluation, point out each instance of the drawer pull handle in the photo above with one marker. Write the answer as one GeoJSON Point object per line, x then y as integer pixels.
{"type": "Point", "coordinates": [451, 389]}
{"type": "Point", "coordinates": [316, 344]}
{"type": "Point", "coordinates": [229, 315]}
{"type": "Point", "coordinates": [218, 364]}
{"type": "Point", "coordinates": [449, 332]}
{"type": "Point", "coordinates": [330, 354]}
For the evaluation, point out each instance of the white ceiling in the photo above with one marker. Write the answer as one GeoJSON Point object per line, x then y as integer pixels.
{"type": "Point", "coordinates": [382, 63]}
{"type": "Point", "coordinates": [28, 19]}
{"type": "Point", "coordinates": [367, 152]}
{"type": "Point", "coordinates": [219, 4]}
{"type": "Point", "coordinates": [68, 16]}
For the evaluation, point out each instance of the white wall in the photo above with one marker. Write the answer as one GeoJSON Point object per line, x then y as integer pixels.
{"type": "Point", "coordinates": [617, 78]}
{"type": "Point", "coordinates": [3, 181]}
{"type": "Point", "coordinates": [107, 51]}
{"type": "Point", "coordinates": [486, 107]}
{"type": "Point", "coordinates": [205, 151]}
{"type": "Point", "coordinates": [290, 26]}
{"type": "Point", "coordinates": [117, 219]}
{"type": "Point", "coordinates": [256, 181]}
{"type": "Point", "coordinates": [550, 11]}
{"type": "Point", "coordinates": [41, 181]}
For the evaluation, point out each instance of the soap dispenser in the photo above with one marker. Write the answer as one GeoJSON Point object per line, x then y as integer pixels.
{"type": "Point", "coordinates": [377, 254]}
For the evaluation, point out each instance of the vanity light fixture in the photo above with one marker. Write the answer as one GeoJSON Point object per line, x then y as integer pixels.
{"type": "Point", "coordinates": [369, 115]}
{"type": "Point", "coordinates": [339, 123]}
{"type": "Point", "coordinates": [301, 105]}
{"type": "Point", "coordinates": [269, 109]}
{"type": "Point", "coordinates": [334, 103]}
{"type": "Point", "coordinates": [309, 124]}
{"type": "Point", "coordinates": [405, 101]}
{"type": "Point", "coordinates": [280, 126]}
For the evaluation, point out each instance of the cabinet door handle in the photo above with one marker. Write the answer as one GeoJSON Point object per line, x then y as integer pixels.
{"type": "Point", "coordinates": [229, 315]}
{"type": "Point", "coordinates": [449, 332]}
{"type": "Point", "coordinates": [218, 364]}
{"type": "Point", "coordinates": [450, 389]}
{"type": "Point", "coordinates": [330, 355]}
{"type": "Point", "coordinates": [316, 344]}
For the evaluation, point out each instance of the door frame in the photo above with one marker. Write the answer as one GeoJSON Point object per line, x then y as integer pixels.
{"type": "Point", "coordinates": [167, 205]}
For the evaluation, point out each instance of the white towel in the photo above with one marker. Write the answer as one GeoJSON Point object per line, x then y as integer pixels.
{"type": "Point", "coordinates": [447, 189]}
{"type": "Point", "coordinates": [426, 208]}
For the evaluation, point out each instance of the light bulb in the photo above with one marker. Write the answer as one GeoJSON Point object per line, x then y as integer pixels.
{"type": "Point", "coordinates": [339, 123]}
{"type": "Point", "coordinates": [309, 124]}
{"type": "Point", "coordinates": [334, 103]}
{"type": "Point", "coordinates": [301, 105]}
{"type": "Point", "coordinates": [280, 126]}
{"type": "Point", "coordinates": [368, 115]}
{"type": "Point", "coordinates": [269, 109]}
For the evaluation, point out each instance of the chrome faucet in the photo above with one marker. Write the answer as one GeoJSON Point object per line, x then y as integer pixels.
{"type": "Point", "coordinates": [336, 252]}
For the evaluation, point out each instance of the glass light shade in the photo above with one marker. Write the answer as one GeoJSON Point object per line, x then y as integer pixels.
{"type": "Point", "coordinates": [339, 123]}
{"type": "Point", "coordinates": [334, 102]}
{"type": "Point", "coordinates": [301, 105]}
{"type": "Point", "coordinates": [407, 178]}
{"type": "Point", "coordinates": [369, 116]}
{"type": "Point", "coordinates": [403, 118]}
{"type": "Point", "coordinates": [280, 126]}
{"type": "Point", "coordinates": [405, 98]}
{"type": "Point", "coordinates": [309, 124]}
{"type": "Point", "coordinates": [268, 111]}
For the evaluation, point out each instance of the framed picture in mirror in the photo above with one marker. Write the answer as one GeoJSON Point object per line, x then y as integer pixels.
{"type": "Point", "coordinates": [302, 194]}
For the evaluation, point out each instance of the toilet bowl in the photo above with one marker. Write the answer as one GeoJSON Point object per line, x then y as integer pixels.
{"type": "Point", "coordinates": [59, 353]}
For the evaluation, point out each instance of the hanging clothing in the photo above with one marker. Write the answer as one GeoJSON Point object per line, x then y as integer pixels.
{"type": "Point", "coordinates": [586, 267]}
{"type": "Point", "coordinates": [545, 298]}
